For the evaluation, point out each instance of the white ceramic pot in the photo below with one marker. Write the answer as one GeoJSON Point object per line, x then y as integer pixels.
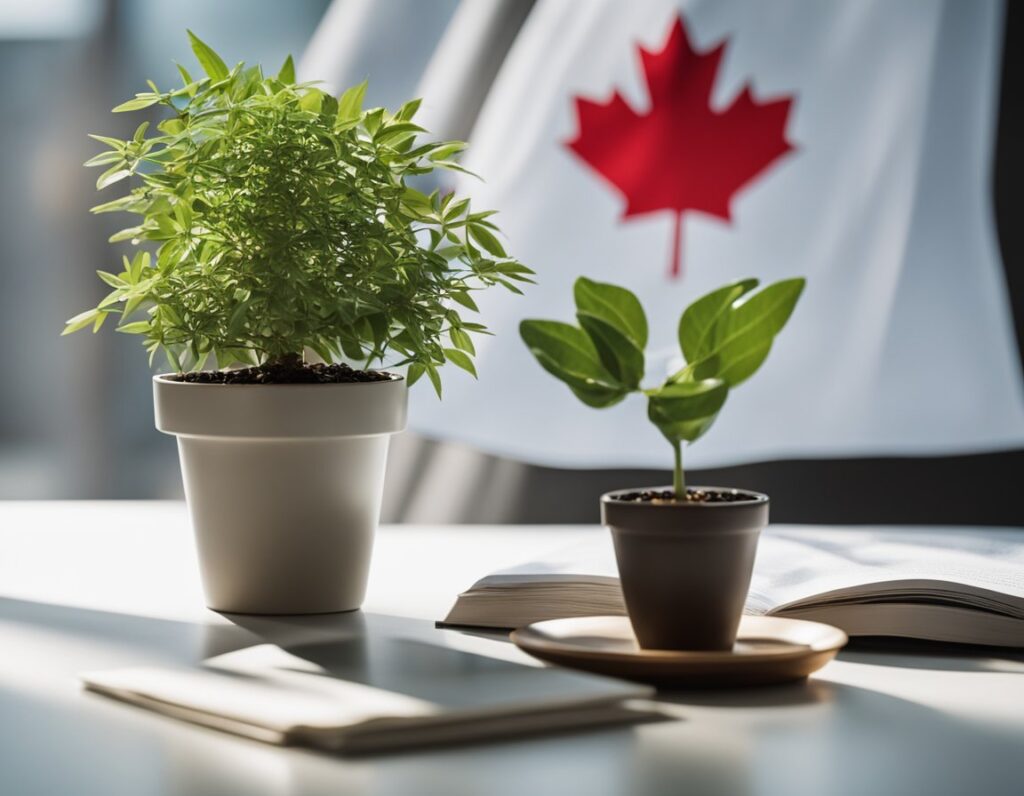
{"type": "Point", "coordinates": [284, 485]}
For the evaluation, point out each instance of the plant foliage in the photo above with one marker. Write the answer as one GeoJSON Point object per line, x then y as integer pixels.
{"type": "Point", "coordinates": [724, 336]}
{"type": "Point", "coordinates": [274, 217]}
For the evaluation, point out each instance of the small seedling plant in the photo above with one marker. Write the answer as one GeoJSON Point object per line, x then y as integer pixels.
{"type": "Point", "coordinates": [276, 218]}
{"type": "Point", "coordinates": [724, 336]}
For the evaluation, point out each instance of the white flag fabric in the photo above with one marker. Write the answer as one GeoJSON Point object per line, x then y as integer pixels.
{"type": "Point", "coordinates": [388, 42]}
{"type": "Point", "coordinates": [902, 342]}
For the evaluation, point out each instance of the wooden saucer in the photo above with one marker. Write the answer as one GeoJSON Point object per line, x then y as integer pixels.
{"type": "Point", "coordinates": [768, 649]}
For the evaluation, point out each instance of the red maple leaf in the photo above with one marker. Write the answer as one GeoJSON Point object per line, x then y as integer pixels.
{"type": "Point", "coordinates": [682, 154]}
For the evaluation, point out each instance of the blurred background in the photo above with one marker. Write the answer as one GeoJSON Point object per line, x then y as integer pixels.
{"type": "Point", "coordinates": [76, 413]}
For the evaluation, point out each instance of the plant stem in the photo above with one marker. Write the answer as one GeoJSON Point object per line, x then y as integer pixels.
{"type": "Point", "coordinates": [678, 478]}
{"type": "Point", "coordinates": [292, 360]}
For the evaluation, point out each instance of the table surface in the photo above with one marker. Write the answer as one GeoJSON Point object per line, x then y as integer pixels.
{"type": "Point", "coordinates": [105, 584]}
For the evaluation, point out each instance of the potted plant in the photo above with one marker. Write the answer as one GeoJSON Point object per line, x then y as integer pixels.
{"type": "Point", "coordinates": [278, 221]}
{"type": "Point", "coordinates": [685, 555]}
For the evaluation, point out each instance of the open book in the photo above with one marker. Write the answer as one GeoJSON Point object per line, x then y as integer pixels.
{"type": "Point", "coordinates": [962, 585]}
{"type": "Point", "coordinates": [373, 694]}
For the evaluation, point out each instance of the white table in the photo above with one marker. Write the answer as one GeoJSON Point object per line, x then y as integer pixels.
{"type": "Point", "coordinates": [94, 585]}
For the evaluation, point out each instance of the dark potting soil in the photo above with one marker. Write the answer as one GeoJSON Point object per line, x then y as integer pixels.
{"type": "Point", "coordinates": [692, 496]}
{"type": "Point", "coordinates": [278, 373]}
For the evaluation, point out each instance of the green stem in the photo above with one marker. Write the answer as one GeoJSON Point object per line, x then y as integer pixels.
{"type": "Point", "coordinates": [678, 479]}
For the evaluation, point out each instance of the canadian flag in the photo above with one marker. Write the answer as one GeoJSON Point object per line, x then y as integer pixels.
{"type": "Point", "coordinates": [670, 147]}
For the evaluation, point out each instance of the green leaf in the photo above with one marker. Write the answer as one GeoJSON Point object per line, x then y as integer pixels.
{"type": "Point", "coordinates": [287, 71]}
{"type": "Point", "coordinates": [394, 133]}
{"type": "Point", "coordinates": [350, 104]}
{"type": "Point", "coordinates": [618, 353]}
{"type": "Point", "coordinates": [212, 63]}
{"type": "Point", "coordinates": [104, 158]}
{"type": "Point", "coordinates": [416, 370]}
{"type": "Point", "coordinates": [110, 279]}
{"type": "Point", "coordinates": [417, 200]}
{"type": "Point", "coordinates": [172, 126]}
{"type": "Point", "coordinates": [124, 203]}
{"type": "Point", "coordinates": [689, 400]}
{"type": "Point", "coordinates": [130, 233]}
{"type": "Point", "coordinates": [352, 349]}
{"type": "Point", "coordinates": [462, 297]}
{"type": "Point", "coordinates": [486, 240]}
{"type": "Point", "coordinates": [114, 143]}
{"type": "Point", "coordinates": [408, 110]}
{"type": "Point", "coordinates": [688, 409]}
{"type": "Point", "coordinates": [435, 378]}
{"type": "Point", "coordinates": [140, 262]}
{"type": "Point", "coordinates": [746, 332]}
{"type": "Point", "coordinates": [568, 353]}
{"type": "Point", "coordinates": [700, 320]}
{"type": "Point", "coordinates": [237, 321]}
{"type": "Point", "coordinates": [80, 321]}
{"type": "Point", "coordinates": [141, 101]}
{"type": "Point", "coordinates": [688, 430]}
{"type": "Point", "coordinates": [568, 346]}
{"type": "Point", "coordinates": [462, 341]}
{"type": "Point", "coordinates": [614, 305]}
{"type": "Point", "coordinates": [312, 100]}
{"type": "Point", "coordinates": [451, 165]}
{"type": "Point", "coordinates": [446, 150]}
{"type": "Point", "coordinates": [594, 395]}
{"type": "Point", "coordinates": [109, 177]}
{"type": "Point", "coordinates": [460, 359]}
{"type": "Point", "coordinates": [136, 327]}
{"type": "Point", "coordinates": [186, 78]}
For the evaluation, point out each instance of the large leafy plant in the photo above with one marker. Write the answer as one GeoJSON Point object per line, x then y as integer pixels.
{"type": "Point", "coordinates": [725, 336]}
{"type": "Point", "coordinates": [275, 218]}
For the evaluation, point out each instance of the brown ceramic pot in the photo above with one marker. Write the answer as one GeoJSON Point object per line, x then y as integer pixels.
{"type": "Point", "coordinates": [685, 567]}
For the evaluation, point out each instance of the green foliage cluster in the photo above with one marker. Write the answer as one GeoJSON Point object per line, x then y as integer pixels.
{"type": "Point", "coordinates": [281, 218]}
{"type": "Point", "coordinates": [725, 337]}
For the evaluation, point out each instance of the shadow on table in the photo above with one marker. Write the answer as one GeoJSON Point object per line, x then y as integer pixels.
{"type": "Point", "coordinates": [816, 737]}
{"type": "Point", "coordinates": [917, 654]}
{"type": "Point", "coordinates": [371, 649]}
{"type": "Point", "coordinates": [801, 692]}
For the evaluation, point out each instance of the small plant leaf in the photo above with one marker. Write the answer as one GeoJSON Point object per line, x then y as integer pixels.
{"type": "Point", "coordinates": [435, 378]}
{"type": "Point", "coordinates": [350, 104]}
{"type": "Point", "coordinates": [700, 320]}
{"type": "Point", "coordinates": [212, 63]}
{"type": "Point", "coordinates": [136, 327]}
{"type": "Point", "coordinates": [568, 353]}
{"type": "Point", "coordinates": [689, 400]}
{"type": "Point", "coordinates": [116, 174]}
{"type": "Point", "coordinates": [615, 305]}
{"type": "Point", "coordinates": [312, 100]}
{"type": "Point", "coordinates": [80, 321]}
{"type": "Point", "coordinates": [589, 391]}
{"type": "Point", "coordinates": [746, 331]}
{"type": "Point", "coordinates": [486, 239]}
{"type": "Point", "coordinates": [287, 71]}
{"type": "Point", "coordinates": [460, 359]}
{"type": "Point", "coordinates": [685, 411]}
{"type": "Point", "coordinates": [104, 158]}
{"type": "Point", "coordinates": [618, 353]}
{"type": "Point", "coordinates": [140, 102]}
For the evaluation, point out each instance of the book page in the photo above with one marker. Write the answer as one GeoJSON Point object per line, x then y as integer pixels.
{"type": "Point", "coordinates": [799, 564]}
{"type": "Point", "coordinates": [590, 561]}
